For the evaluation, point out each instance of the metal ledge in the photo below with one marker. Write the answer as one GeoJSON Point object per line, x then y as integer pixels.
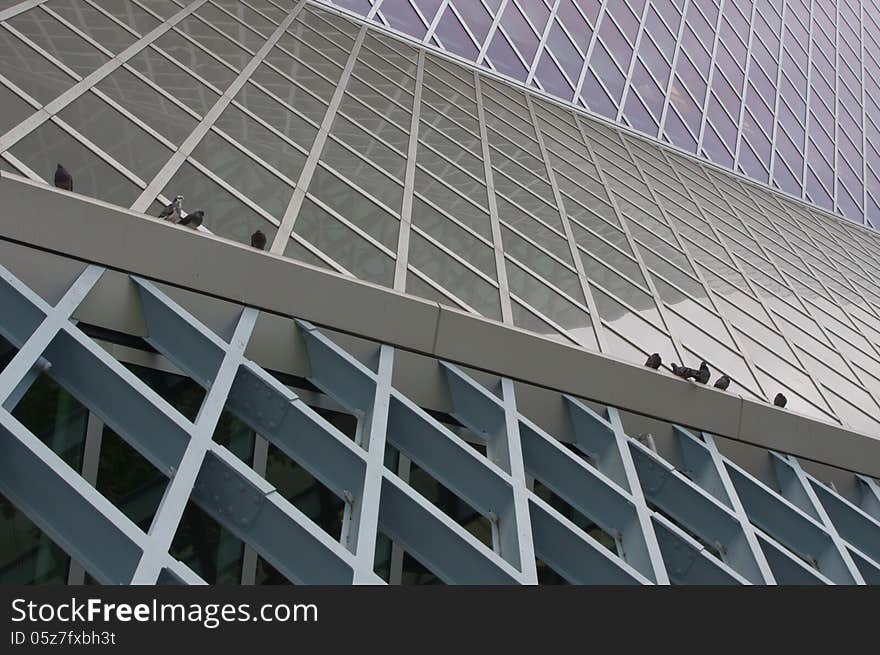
{"type": "Point", "coordinates": [93, 231]}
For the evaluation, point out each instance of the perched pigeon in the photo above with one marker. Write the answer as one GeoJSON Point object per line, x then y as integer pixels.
{"type": "Point", "coordinates": [703, 374]}
{"type": "Point", "coordinates": [681, 371]}
{"type": "Point", "coordinates": [258, 240]}
{"type": "Point", "coordinates": [172, 211]}
{"type": "Point", "coordinates": [722, 383]}
{"type": "Point", "coordinates": [780, 400]}
{"type": "Point", "coordinates": [654, 361]}
{"type": "Point", "coordinates": [63, 179]}
{"type": "Point", "coordinates": [193, 219]}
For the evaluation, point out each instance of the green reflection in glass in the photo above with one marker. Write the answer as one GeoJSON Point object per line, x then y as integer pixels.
{"type": "Point", "coordinates": [305, 492]}
{"type": "Point", "coordinates": [55, 418]}
{"type": "Point", "coordinates": [27, 556]}
{"type": "Point", "coordinates": [128, 480]}
{"type": "Point", "coordinates": [268, 574]}
{"type": "Point", "coordinates": [208, 548]}
{"type": "Point", "coordinates": [236, 436]}
{"type": "Point", "coordinates": [182, 393]}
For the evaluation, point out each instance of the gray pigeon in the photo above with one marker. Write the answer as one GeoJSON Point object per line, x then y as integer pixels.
{"type": "Point", "coordinates": [682, 371]}
{"type": "Point", "coordinates": [780, 400]}
{"type": "Point", "coordinates": [703, 374]}
{"type": "Point", "coordinates": [654, 361]}
{"type": "Point", "coordinates": [193, 219]}
{"type": "Point", "coordinates": [63, 178]}
{"type": "Point", "coordinates": [722, 383]}
{"type": "Point", "coordinates": [258, 240]}
{"type": "Point", "coordinates": [172, 211]}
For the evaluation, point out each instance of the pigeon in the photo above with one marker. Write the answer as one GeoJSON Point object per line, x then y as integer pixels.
{"type": "Point", "coordinates": [703, 374]}
{"type": "Point", "coordinates": [722, 383]}
{"type": "Point", "coordinates": [780, 400]}
{"type": "Point", "coordinates": [654, 361]}
{"type": "Point", "coordinates": [63, 179]}
{"type": "Point", "coordinates": [172, 211]}
{"type": "Point", "coordinates": [193, 219]}
{"type": "Point", "coordinates": [681, 371]}
{"type": "Point", "coordinates": [258, 240]}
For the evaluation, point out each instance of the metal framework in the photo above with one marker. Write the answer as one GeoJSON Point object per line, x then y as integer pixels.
{"type": "Point", "coordinates": [601, 508]}
{"type": "Point", "coordinates": [380, 159]}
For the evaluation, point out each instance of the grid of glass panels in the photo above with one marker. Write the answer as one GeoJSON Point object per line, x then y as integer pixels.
{"type": "Point", "coordinates": [376, 158]}
{"type": "Point", "coordinates": [785, 92]}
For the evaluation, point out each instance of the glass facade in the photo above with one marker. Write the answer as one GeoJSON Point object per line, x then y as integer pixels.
{"type": "Point", "coordinates": [382, 159]}
{"type": "Point", "coordinates": [785, 92]}
{"type": "Point", "coordinates": [379, 159]}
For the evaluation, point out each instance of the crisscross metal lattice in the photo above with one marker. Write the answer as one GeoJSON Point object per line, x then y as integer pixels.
{"type": "Point", "coordinates": [605, 508]}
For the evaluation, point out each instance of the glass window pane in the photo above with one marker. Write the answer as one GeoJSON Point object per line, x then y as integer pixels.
{"type": "Point", "coordinates": [196, 59]}
{"type": "Point", "coordinates": [243, 173]}
{"type": "Point", "coordinates": [28, 556]}
{"type": "Point", "coordinates": [173, 79]}
{"type": "Point", "coordinates": [209, 549]}
{"type": "Point", "coordinates": [128, 480]}
{"type": "Point", "coordinates": [146, 103]}
{"type": "Point", "coordinates": [459, 280]}
{"type": "Point", "coordinates": [130, 14]}
{"type": "Point", "coordinates": [293, 126]}
{"type": "Point", "coordinates": [351, 204]}
{"type": "Point", "coordinates": [359, 257]}
{"type": "Point", "coordinates": [215, 41]}
{"type": "Point", "coordinates": [456, 238]}
{"type": "Point", "coordinates": [308, 103]}
{"type": "Point", "coordinates": [225, 215]}
{"type": "Point", "coordinates": [262, 142]}
{"type": "Point", "coordinates": [59, 41]}
{"type": "Point", "coordinates": [231, 27]}
{"type": "Point", "coordinates": [14, 111]}
{"type": "Point", "coordinates": [92, 22]}
{"type": "Point", "coordinates": [49, 145]}
{"type": "Point", "coordinates": [30, 71]}
{"type": "Point", "coordinates": [352, 167]}
{"type": "Point", "coordinates": [115, 134]}
{"type": "Point", "coordinates": [56, 418]}
{"type": "Point", "coordinates": [251, 16]}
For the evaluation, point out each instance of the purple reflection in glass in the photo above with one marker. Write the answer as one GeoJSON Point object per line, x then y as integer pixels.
{"type": "Point", "coordinates": [504, 59]}
{"type": "Point", "coordinates": [400, 15]}
{"type": "Point", "coordinates": [566, 54]}
{"type": "Point", "coordinates": [714, 148]}
{"type": "Point", "coordinates": [476, 18]}
{"type": "Point", "coordinates": [596, 98]}
{"type": "Point", "coordinates": [454, 38]}
{"type": "Point", "coordinates": [677, 133]}
{"type": "Point", "coordinates": [551, 79]}
{"type": "Point", "coordinates": [428, 8]}
{"type": "Point", "coordinates": [360, 6]}
{"type": "Point", "coordinates": [520, 32]}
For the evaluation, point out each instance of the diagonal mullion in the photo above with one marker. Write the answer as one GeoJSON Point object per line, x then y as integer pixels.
{"type": "Point", "coordinates": [189, 145]}
{"type": "Point", "coordinates": [179, 489]}
{"type": "Point", "coordinates": [800, 484]}
{"type": "Point", "coordinates": [299, 193]}
{"type": "Point", "coordinates": [708, 471]}
{"type": "Point", "coordinates": [21, 314]}
{"type": "Point", "coordinates": [496, 419]}
{"type": "Point", "coordinates": [84, 84]}
{"type": "Point", "coordinates": [607, 443]}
